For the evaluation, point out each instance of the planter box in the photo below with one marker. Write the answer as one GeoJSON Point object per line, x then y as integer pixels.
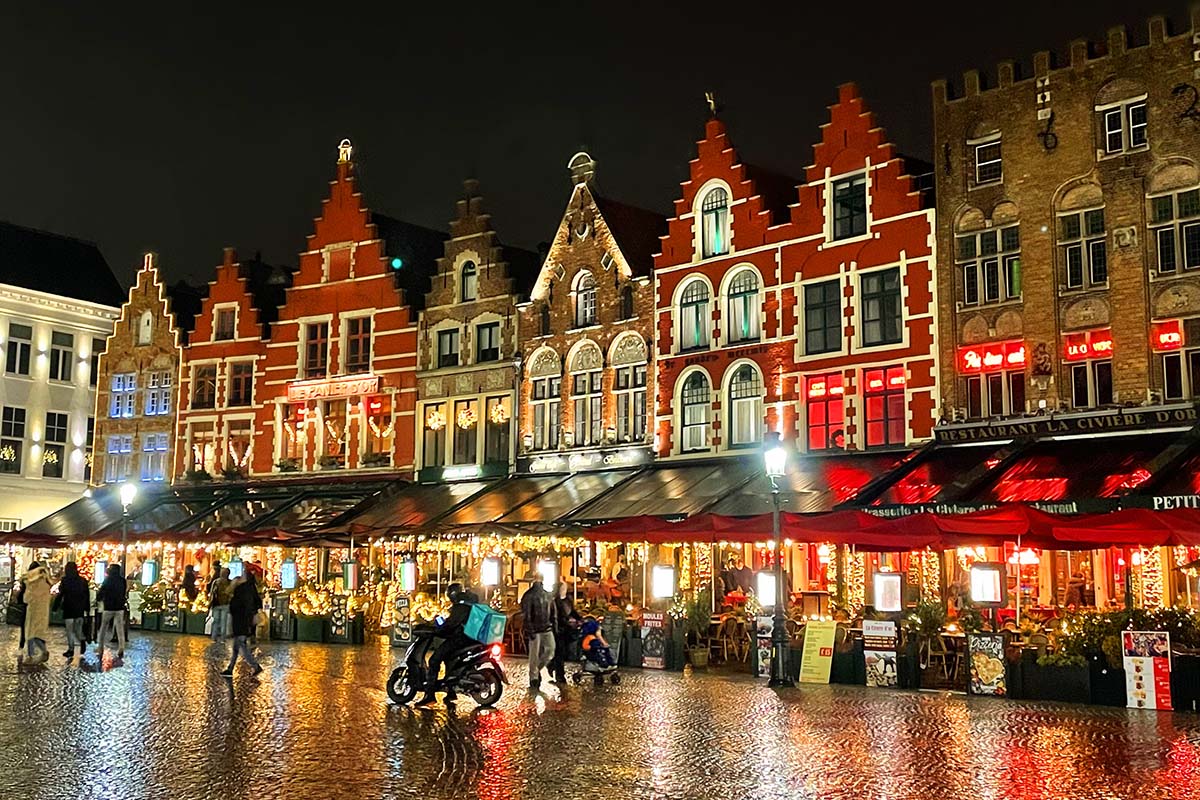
{"type": "Point", "coordinates": [849, 666]}
{"type": "Point", "coordinates": [310, 629]}
{"type": "Point", "coordinates": [1107, 685]}
{"type": "Point", "coordinates": [150, 620]}
{"type": "Point", "coordinates": [194, 623]}
{"type": "Point", "coordinates": [1065, 684]}
{"type": "Point", "coordinates": [908, 665]}
{"type": "Point", "coordinates": [1185, 682]}
{"type": "Point", "coordinates": [171, 621]}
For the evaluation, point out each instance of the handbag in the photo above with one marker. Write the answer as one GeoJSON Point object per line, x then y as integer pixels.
{"type": "Point", "coordinates": [15, 614]}
{"type": "Point", "coordinates": [208, 625]}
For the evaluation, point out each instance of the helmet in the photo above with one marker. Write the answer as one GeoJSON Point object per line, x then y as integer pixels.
{"type": "Point", "coordinates": [454, 592]}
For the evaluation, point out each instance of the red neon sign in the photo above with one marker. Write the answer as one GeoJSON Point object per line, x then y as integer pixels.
{"type": "Point", "coordinates": [825, 385]}
{"type": "Point", "coordinates": [1092, 344]}
{"type": "Point", "coordinates": [1167, 335]}
{"type": "Point", "coordinates": [992, 356]}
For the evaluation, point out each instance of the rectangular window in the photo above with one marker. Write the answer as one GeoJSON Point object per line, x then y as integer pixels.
{"type": "Point", "coordinates": [995, 394]}
{"type": "Point", "coordinates": [12, 440]}
{"type": "Point", "coordinates": [487, 342]}
{"type": "Point", "coordinates": [204, 448]}
{"type": "Point", "coordinates": [546, 398]}
{"type": "Point", "coordinates": [54, 452]}
{"type": "Point", "coordinates": [434, 444]}
{"type": "Point", "coordinates": [881, 314]}
{"type": "Point", "coordinates": [630, 391]}
{"type": "Point", "coordinates": [20, 343]}
{"type": "Point", "coordinates": [97, 350]}
{"type": "Point", "coordinates": [989, 263]}
{"type": "Point", "coordinates": [335, 436]}
{"type": "Point", "coordinates": [316, 350]}
{"type": "Point", "coordinates": [586, 396]}
{"type": "Point", "coordinates": [237, 444]}
{"type": "Point", "coordinates": [88, 450]}
{"type": "Point", "coordinates": [295, 433]}
{"type": "Point", "coordinates": [883, 397]}
{"type": "Point", "coordinates": [62, 356]}
{"type": "Point", "coordinates": [1083, 248]}
{"type": "Point", "coordinates": [466, 431]}
{"type": "Point", "coordinates": [358, 345]}
{"type": "Point", "coordinates": [122, 395]}
{"type": "Point", "coordinates": [158, 394]}
{"type": "Point", "coordinates": [241, 384]}
{"type": "Point", "coordinates": [991, 280]}
{"type": "Point", "coordinates": [988, 166]}
{"type": "Point", "coordinates": [497, 432]}
{"type": "Point", "coordinates": [823, 317]}
{"type": "Point", "coordinates": [1091, 384]}
{"type": "Point", "coordinates": [154, 456]}
{"type": "Point", "coordinates": [1124, 127]}
{"type": "Point", "coordinates": [448, 348]}
{"type": "Point", "coordinates": [1175, 221]}
{"type": "Point", "coordinates": [117, 466]}
{"type": "Point", "coordinates": [224, 327]}
{"type": "Point", "coordinates": [850, 207]}
{"type": "Point", "coordinates": [204, 386]}
{"type": "Point", "coordinates": [826, 412]}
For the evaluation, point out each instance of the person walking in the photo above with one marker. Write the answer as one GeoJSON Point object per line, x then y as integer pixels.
{"type": "Point", "coordinates": [35, 593]}
{"type": "Point", "coordinates": [112, 598]}
{"type": "Point", "coordinates": [567, 622]}
{"type": "Point", "coordinates": [74, 599]}
{"type": "Point", "coordinates": [189, 583]}
{"type": "Point", "coordinates": [538, 608]}
{"type": "Point", "coordinates": [243, 608]}
{"type": "Point", "coordinates": [220, 593]}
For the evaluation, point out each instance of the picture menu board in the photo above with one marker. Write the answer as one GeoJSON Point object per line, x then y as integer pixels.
{"type": "Point", "coordinates": [1147, 656]}
{"type": "Point", "coordinates": [985, 652]}
{"type": "Point", "coordinates": [817, 659]}
{"type": "Point", "coordinates": [879, 652]}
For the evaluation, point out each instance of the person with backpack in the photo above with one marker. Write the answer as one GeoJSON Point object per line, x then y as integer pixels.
{"type": "Point", "coordinates": [74, 599]}
{"type": "Point", "coordinates": [220, 594]}
{"type": "Point", "coordinates": [244, 606]}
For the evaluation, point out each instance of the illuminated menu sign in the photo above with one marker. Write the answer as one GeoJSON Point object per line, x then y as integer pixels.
{"type": "Point", "coordinates": [1167, 335]}
{"type": "Point", "coordinates": [991, 357]}
{"type": "Point", "coordinates": [1090, 344]}
{"type": "Point", "coordinates": [346, 386]}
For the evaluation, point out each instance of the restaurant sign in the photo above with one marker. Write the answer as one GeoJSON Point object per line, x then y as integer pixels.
{"type": "Point", "coordinates": [586, 461]}
{"type": "Point", "coordinates": [1147, 661]}
{"type": "Point", "coordinates": [816, 660]}
{"type": "Point", "coordinates": [1073, 424]}
{"type": "Point", "coordinates": [344, 386]}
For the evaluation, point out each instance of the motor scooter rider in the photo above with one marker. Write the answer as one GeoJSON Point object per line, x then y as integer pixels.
{"type": "Point", "coordinates": [452, 631]}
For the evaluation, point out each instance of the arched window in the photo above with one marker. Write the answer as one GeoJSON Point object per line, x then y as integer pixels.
{"type": "Point", "coordinates": [694, 316]}
{"type": "Point", "coordinates": [626, 302]}
{"type": "Point", "coordinates": [586, 371]}
{"type": "Point", "coordinates": [697, 406]}
{"type": "Point", "coordinates": [745, 407]}
{"type": "Point", "coordinates": [146, 328]}
{"type": "Point", "coordinates": [545, 375]}
{"type": "Point", "coordinates": [469, 282]}
{"type": "Point", "coordinates": [714, 223]}
{"type": "Point", "coordinates": [743, 323]}
{"type": "Point", "coordinates": [585, 300]}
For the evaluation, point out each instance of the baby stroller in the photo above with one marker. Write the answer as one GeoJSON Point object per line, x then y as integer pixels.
{"type": "Point", "coordinates": [597, 659]}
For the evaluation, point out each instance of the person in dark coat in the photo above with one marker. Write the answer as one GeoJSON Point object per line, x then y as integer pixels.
{"type": "Point", "coordinates": [74, 599]}
{"type": "Point", "coordinates": [540, 613]}
{"type": "Point", "coordinates": [190, 591]}
{"type": "Point", "coordinates": [112, 598]}
{"type": "Point", "coordinates": [452, 631]}
{"type": "Point", "coordinates": [567, 622]}
{"type": "Point", "coordinates": [243, 608]}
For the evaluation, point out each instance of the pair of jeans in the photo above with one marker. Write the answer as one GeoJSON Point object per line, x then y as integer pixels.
{"type": "Point", "coordinates": [242, 645]}
{"type": "Point", "coordinates": [39, 645]}
{"type": "Point", "coordinates": [74, 627]}
{"type": "Point", "coordinates": [220, 623]}
{"type": "Point", "coordinates": [108, 619]}
{"type": "Point", "coordinates": [541, 651]}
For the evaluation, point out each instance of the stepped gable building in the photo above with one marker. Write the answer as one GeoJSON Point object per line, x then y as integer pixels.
{"type": "Point", "coordinates": [467, 374]}
{"type": "Point", "coordinates": [586, 335]}
{"type": "Point", "coordinates": [58, 302]}
{"type": "Point", "coordinates": [137, 383]}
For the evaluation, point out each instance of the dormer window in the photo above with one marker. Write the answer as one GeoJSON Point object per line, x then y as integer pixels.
{"type": "Point", "coordinates": [714, 223]}
{"type": "Point", "coordinates": [145, 328]}
{"type": "Point", "coordinates": [470, 282]}
{"type": "Point", "coordinates": [224, 325]}
{"type": "Point", "coordinates": [585, 301]}
{"type": "Point", "coordinates": [850, 207]}
{"type": "Point", "coordinates": [1124, 126]}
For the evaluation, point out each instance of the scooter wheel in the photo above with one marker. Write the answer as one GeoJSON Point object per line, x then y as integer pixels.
{"type": "Point", "coordinates": [616, 678]}
{"type": "Point", "coordinates": [399, 688]}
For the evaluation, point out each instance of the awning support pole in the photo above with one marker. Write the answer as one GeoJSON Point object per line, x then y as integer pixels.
{"type": "Point", "coordinates": [1018, 580]}
{"type": "Point", "coordinates": [438, 587]}
{"type": "Point", "coordinates": [712, 560]}
{"type": "Point", "coordinates": [575, 572]}
{"type": "Point", "coordinates": [645, 558]}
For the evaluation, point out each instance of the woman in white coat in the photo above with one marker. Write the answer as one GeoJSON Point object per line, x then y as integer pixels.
{"type": "Point", "coordinates": [36, 595]}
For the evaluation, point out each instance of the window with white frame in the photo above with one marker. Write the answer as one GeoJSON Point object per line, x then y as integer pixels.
{"type": "Point", "coordinates": [448, 348]}
{"type": "Point", "coordinates": [358, 345]}
{"type": "Point", "coordinates": [1181, 374]}
{"type": "Point", "coordinates": [988, 164]}
{"type": "Point", "coordinates": [158, 394]}
{"type": "Point", "coordinates": [826, 416]}
{"type": "Point", "coordinates": [154, 456]}
{"type": "Point", "coordinates": [823, 317]}
{"type": "Point", "coordinates": [850, 207]}
{"type": "Point", "coordinates": [694, 317]}
{"type": "Point", "coordinates": [12, 439]}
{"type": "Point", "coordinates": [238, 442]}
{"type": "Point", "coordinates": [883, 402]}
{"type": "Point", "coordinates": [630, 391]}
{"type": "Point", "coordinates": [240, 388]}
{"type": "Point", "coordinates": [118, 465]}
{"type": "Point", "coordinates": [1175, 226]}
{"type": "Point", "coordinates": [585, 300]}
{"type": "Point", "coordinates": [19, 347]}
{"type": "Point", "coordinates": [746, 407]}
{"type": "Point", "coordinates": [497, 430]}
{"type": "Point", "coordinates": [62, 356]}
{"type": "Point", "coordinates": [203, 437]}
{"type": "Point", "coordinates": [54, 450]}
{"type": "Point", "coordinates": [122, 395]}
{"type": "Point", "coordinates": [744, 323]}
{"type": "Point", "coordinates": [545, 398]}
{"type": "Point", "coordinates": [204, 386]}
{"type": "Point", "coordinates": [224, 324]}
{"type": "Point", "coordinates": [88, 449]}
{"type": "Point", "coordinates": [882, 313]}
{"type": "Point", "coordinates": [433, 448]}
{"type": "Point", "coordinates": [487, 342]}
{"type": "Point", "coordinates": [586, 395]}
{"type": "Point", "coordinates": [469, 281]}
{"type": "Point", "coordinates": [714, 222]}
{"type": "Point", "coordinates": [466, 432]}
{"type": "Point", "coordinates": [696, 413]}
{"type": "Point", "coordinates": [1123, 126]}
{"type": "Point", "coordinates": [1092, 383]}
{"type": "Point", "coordinates": [989, 265]}
{"type": "Point", "coordinates": [1083, 248]}
{"type": "Point", "coordinates": [316, 349]}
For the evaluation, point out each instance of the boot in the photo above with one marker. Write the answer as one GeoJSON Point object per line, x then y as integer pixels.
{"type": "Point", "coordinates": [429, 699]}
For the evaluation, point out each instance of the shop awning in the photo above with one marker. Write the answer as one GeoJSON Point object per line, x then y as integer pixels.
{"type": "Point", "coordinates": [499, 499]}
{"type": "Point", "coordinates": [560, 500]}
{"type": "Point", "coordinates": [407, 509]}
{"type": "Point", "coordinates": [813, 483]}
{"type": "Point", "coordinates": [670, 491]}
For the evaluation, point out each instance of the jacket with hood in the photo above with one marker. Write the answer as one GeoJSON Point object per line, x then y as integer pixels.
{"type": "Point", "coordinates": [73, 594]}
{"type": "Point", "coordinates": [36, 595]}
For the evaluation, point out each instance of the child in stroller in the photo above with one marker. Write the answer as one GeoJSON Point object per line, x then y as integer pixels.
{"type": "Point", "coordinates": [598, 659]}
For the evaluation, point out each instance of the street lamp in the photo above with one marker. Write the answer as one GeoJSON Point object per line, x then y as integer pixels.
{"type": "Point", "coordinates": [775, 466]}
{"type": "Point", "coordinates": [128, 492]}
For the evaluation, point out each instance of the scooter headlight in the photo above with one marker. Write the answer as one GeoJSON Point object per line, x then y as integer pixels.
{"type": "Point", "coordinates": [497, 650]}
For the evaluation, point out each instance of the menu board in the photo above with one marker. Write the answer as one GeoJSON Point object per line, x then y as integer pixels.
{"type": "Point", "coordinates": [985, 654]}
{"type": "Point", "coordinates": [402, 627]}
{"type": "Point", "coordinates": [135, 608]}
{"type": "Point", "coordinates": [1147, 669]}
{"type": "Point", "coordinates": [763, 628]}
{"type": "Point", "coordinates": [879, 652]}
{"type": "Point", "coordinates": [654, 640]}
{"type": "Point", "coordinates": [817, 659]}
{"type": "Point", "coordinates": [888, 592]}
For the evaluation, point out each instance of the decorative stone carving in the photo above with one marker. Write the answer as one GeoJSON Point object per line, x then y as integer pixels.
{"type": "Point", "coordinates": [587, 358]}
{"type": "Point", "coordinates": [497, 379]}
{"type": "Point", "coordinates": [1180, 298]}
{"type": "Point", "coordinates": [975, 330]}
{"type": "Point", "coordinates": [629, 348]}
{"type": "Point", "coordinates": [432, 388]}
{"type": "Point", "coordinates": [1087, 313]}
{"type": "Point", "coordinates": [1010, 324]}
{"type": "Point", "coordinates": [1125, 237]}
{"type": "Point", "coordinates": [545, 363]}
{"type": "Point", "coordinates": [463, 384]}
{"type": "Point", "coordinates": [1043, 361]}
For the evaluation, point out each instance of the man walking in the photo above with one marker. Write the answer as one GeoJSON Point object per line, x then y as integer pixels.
{"type": "Point", "coordinates": [220, 593]}
{"type": "Point", "coordinates": [243, 609]}
{"type": "Point", "coordinates": [112, 599]}
{"type": "Point", "coordinates": [537, 606]}
{"type": "Point", "coordinates": [74, 599]}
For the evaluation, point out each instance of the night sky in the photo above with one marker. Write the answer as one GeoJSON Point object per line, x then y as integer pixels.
{"type": "Point", "coordinates": [152, 126]}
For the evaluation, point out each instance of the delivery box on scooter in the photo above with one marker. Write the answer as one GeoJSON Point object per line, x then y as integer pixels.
{"type": "Point", "coordinates": [485, 625]}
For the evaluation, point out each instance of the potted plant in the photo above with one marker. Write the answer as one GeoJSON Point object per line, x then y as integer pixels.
{"type": "Point", "coordinates": [288, 465]}
{"type": "Point", "coordinates": [697, 614]}
{"type": "Point", "coordinates": [329, 462]}
{"type": "Point", "coordinates": [197, 476]}
{"type": "Point", "coordinates": [376, 460]}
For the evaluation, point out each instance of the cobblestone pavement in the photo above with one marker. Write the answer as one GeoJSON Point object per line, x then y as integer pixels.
{"type": "Point", "coordinates": [318, 724]}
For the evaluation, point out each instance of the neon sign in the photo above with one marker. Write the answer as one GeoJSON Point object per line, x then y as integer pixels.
{"type": "Point", "coordinates": [992, 356]}
{"type": "Point", "coordinates": [1167, 335]}
{"type": "Point", "coordinates": [1092, 344]}
{"type": "Point", "coordinates": [826, 385]}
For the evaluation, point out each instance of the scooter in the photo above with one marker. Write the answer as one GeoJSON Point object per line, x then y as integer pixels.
{"type": "Point", "coordinates": [475, 670]}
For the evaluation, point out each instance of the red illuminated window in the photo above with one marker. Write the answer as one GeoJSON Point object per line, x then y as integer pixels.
{"type": "Point", "coordinates": [1167, 335]}
{"type": "Point", "coordinates": [991, 356]}
{"type": "Point", "coordinates": [826, 415]}
{"type": "Point", "coordinates": [1089, 344]}
{"type": "Point", "coordinates": [883, 396]}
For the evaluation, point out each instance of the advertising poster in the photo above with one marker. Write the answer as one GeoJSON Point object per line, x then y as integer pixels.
{"type": "Point", "coordinates": [654, 640]}
{"type": "Point", "coordinates": [1147, 669]}
{"type": "Point", "coordinates": [985, 654]}
{"type": "Point", "coordinates": [879, 651]}
{"type": "Point", "coordinates": [402, 627]}
{"type": "Point", "coordinates": [763, 627]}
{"type": "Point", "coordinates": [135, 609]}
{"type": "Point", "coordinates": [817, 659]}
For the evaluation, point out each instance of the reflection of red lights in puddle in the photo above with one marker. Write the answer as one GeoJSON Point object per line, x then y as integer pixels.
{"type": "Point", "coordinates": [494, 733]}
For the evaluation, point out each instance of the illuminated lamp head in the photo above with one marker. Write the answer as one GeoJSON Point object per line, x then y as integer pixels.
{"type": "Point", "coordinates": [397, 262]}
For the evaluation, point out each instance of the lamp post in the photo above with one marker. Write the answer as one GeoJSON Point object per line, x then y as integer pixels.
{"type": "Point", "coordinates": [775, 464]}
{"type": "Point", "coordinates": [128, 492]}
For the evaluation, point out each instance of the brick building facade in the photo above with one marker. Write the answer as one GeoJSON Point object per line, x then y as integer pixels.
{"type": "Point", "coordinates": [586, 336]}
{"type": "Point", "coordinates": [467, 378]}
{"type": "Point", "coordinates": [1069, 230]}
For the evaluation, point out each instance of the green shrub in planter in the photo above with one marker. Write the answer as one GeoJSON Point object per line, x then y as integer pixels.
{"type": "Point", "coordinates": [150, 620]}
{"type": "Point", "coordinates": [193, 622]}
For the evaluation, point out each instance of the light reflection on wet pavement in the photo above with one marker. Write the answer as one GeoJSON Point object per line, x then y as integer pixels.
{"type": "Point", "coordinates": [318, 724]}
